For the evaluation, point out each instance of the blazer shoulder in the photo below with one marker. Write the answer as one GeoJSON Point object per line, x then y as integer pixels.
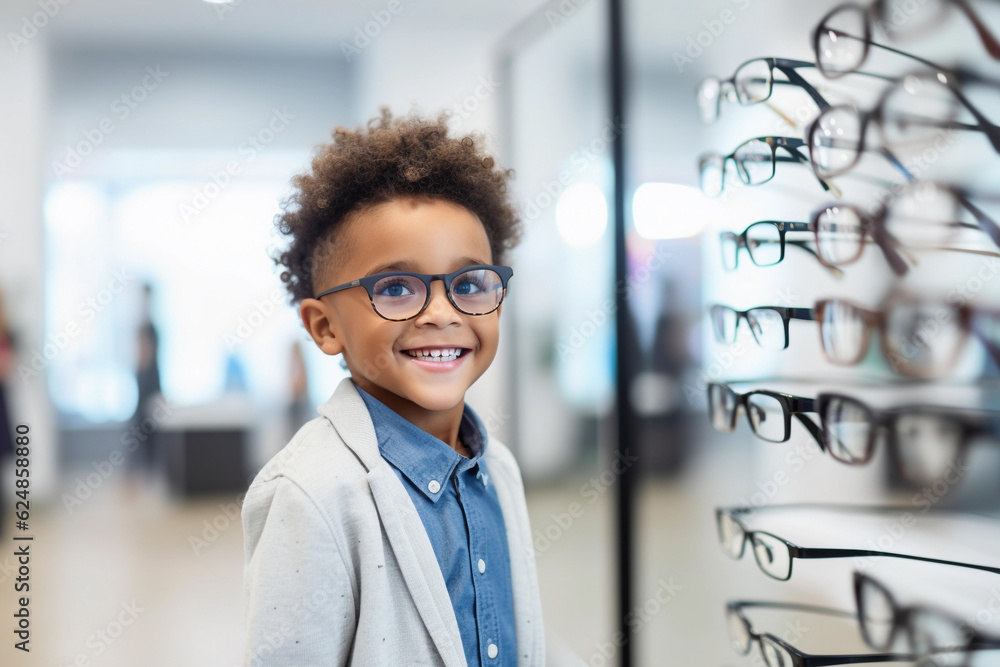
{"type": "Point", "coordinates": [316, 459]}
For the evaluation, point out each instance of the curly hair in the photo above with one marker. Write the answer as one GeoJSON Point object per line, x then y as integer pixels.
{"type": "Point", "coordinates": [394, 158]}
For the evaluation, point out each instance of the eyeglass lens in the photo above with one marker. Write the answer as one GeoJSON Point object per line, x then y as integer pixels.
{"type": "Point", "coordinates": [840, 235]}
{"type": "Point", "coordinates": [847, 430]}
{"type": "Point", "coordinates": [764, 243]}
{"type": "Point", "coordinates": [754, 162]}
{"type": "Point", "coordinates": [926, 444]}
{"type": "Point", "coordinates": [911, 117]}
{"type": "Point", "coordinates": [474, 292]}
{"type": "Point", "coordinates": [876, 615]}
{"type": "Point", "coordinates": [751, 84]}
{"type": "Point", "coordinates": [765, 413]}
{"type": "Point", "coordinates": [925, 214]}
{"type": "Point", "coordinates": [772, 555]}
{"type": "Point", "coordinates": [753, 81]}
{"type": "Point", "coordinates": [841, 44]}
{"type": "Point", "coordinates": [775, 655]}
{"type": "Point", "coordinates": [739, 633]}
{"type": "Point", "coordinates": [766, 325]}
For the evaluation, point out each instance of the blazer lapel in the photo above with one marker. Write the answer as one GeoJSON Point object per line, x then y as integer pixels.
{"type": "Point", "coordinates": [414, 552]}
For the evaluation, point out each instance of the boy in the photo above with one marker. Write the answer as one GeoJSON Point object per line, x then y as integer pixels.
{"type": "Point", "coordinates": [392, 529]}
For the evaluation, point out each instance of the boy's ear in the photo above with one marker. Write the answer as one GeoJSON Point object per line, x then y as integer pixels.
{"type": "Point", "coordinates": [318, 320]}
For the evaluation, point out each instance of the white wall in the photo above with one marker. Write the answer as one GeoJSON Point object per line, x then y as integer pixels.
{"type": "Point", "coordinates": [23, 106]}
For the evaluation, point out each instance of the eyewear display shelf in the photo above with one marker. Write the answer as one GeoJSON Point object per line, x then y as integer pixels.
{"type": "Point", "coordinates": [888, 269]}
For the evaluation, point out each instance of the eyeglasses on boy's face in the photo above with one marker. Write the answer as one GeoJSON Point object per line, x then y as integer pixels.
{"type": "Point", "coordinates": [399, 295]}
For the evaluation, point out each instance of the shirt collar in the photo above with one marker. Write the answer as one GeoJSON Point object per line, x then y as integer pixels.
{"type": "Point", "coordinates": [420, 456]}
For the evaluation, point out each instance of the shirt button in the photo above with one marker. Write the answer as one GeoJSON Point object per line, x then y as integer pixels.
{"type": "Point", "coordinates": [434, 486]}
{"type": "Point", "coordinates": [482, 566]}
{"type": "Point", "coordinates": [491, 650]}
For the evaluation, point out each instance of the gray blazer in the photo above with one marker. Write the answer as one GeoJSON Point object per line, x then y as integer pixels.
{"type": "Point", "coordinates": [339, 569]}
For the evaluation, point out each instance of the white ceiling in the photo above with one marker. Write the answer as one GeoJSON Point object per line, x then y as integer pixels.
{"type": "Point", "coordinates": [290, 26]}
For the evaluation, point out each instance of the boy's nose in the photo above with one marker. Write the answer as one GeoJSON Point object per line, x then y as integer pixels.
{"type": "Point", "coordinates": [439, 307]}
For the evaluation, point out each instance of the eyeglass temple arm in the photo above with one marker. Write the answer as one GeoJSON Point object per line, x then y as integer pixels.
{"type": "Point", "coordinates": [905, 54]}
{"type": "Point", "coordinates": [804, 245]}
{"type": "Point", "coordinates": [854, 659]}
{"type": "Point", "coordinates": [791, 146]}
{"type": "Point", "coordinates": [353, 283]}
{"type": "Point", "coordinates": [983, 124]}
{"type": "Point", "coordinates": [888, 244]}
{"type": "Point", "coordinates": [897, 163]}
{"type": "Point", "coordinates": [796, 79]}
{"type": "Point", "coordinates": [985, 36]}
{"type": "Point", "coordinates": [795, 606]}
{"type": "Point", "coordinates": [800, 404]}
{"type": "Point", "coordinates": [813, 552]}
{"type": "Point", "coordinates": [985, 222]}
{"type": "Point", "coordinates": [840, 507]}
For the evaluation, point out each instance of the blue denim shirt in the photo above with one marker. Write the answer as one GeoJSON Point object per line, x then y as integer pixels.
{"type": "Point", "coordinates": [461, 514]}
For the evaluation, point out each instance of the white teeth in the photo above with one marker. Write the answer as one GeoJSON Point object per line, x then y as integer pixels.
{"type": "Point", "coordinates": [449, 354]}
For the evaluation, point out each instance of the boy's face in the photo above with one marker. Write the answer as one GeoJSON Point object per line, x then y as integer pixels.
{"type": "Point", "coordinates": [422, 236]}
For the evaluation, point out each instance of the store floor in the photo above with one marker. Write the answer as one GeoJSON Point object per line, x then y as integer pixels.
{"type": "Point", "coordinates": [135, 578]}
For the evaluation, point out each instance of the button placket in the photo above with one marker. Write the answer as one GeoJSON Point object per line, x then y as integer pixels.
{"type": "Point", "coordinates": [487, 623]}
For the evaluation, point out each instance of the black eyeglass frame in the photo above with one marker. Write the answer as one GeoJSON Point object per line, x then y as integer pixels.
{"type": "Point", "coordinates": [788, 144]}
{"type": "Point", "coordinates": [795, 551]}
{"type": "Point", "coordinates": [799, 658]}
{"type": "Point", "coordinates": [369, 282]}
{"type": "Point", "coordinates": [786, 313]}
{"type": "Point", "coordinates": [742, 240]}
{"type": "Point", "coordinates": [786, 66]}
{"type": "Point", "coordinates": [901, 621]}
{"type": "Point", "coordinates": [791, 406]}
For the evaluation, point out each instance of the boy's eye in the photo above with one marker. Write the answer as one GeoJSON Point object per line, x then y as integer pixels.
{"type": "Point", "coordinates": [394, 288]}
{"type": "Point", "coordinates": [467, 285]}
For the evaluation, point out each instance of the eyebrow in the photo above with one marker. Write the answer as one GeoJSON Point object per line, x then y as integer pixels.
{"type": "Point", "coordinates": [406, 265]}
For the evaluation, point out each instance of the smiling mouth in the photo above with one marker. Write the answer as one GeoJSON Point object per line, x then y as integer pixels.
{"type": "Point", "coordinates": [439, 354]}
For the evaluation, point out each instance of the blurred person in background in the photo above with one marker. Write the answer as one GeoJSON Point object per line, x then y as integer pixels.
{"type": "Point", "coordinates": [147, 378]}
{"type": "Point", "coordinates": [6, 427]}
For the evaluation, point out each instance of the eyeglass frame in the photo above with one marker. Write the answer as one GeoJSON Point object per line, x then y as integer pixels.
{"type": "Point", "coordinates": [791, 405]}
{"type": "Point", "coordinates": [800, 659]}
{"type": "Point", "coordinates": [988, 40]}
{"type": "Point", "coordinates": [971, 424]}
{"type": "Point", "coordinates": [873, 225]}
{"type": "Point", "coordinates": [369, 282]}
{"type": "Point", "coordinates": [742, 240]}
{"type": "Point", "coordinates": [789, 144]}
{"type": "Point", "coordinates": [876, 321]}
{"type": "Point", "coordinates": [877, 115]}
{"type": "Point", "coordinates": [786, 66]}
{"type": "Point", "coordinates": [786, 313]}
{"type": "Point", "coordinates": [804, 553]}
{"type": "Point", "coordinates": [902, 619]}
